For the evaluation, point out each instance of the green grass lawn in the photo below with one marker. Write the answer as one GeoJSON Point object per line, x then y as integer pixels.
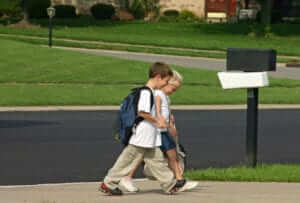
{"type": "Point", "coordinates": [263, 173]}
{"type": "Point", "coordinates": [34, 75]}
{"type": "Point", "coordinates": [129, 48]}
{"type": "Point", "coordinates": [171, 34]}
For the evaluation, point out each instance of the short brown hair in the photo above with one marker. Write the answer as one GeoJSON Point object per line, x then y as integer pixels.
{"type": "Point", "coordinates": [159, 68]}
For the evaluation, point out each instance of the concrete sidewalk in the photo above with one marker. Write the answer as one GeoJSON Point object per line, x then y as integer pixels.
{"type": "Point", "coordinates": [115, 107]}
{"type": "Point", "coordinates": [207, 192]}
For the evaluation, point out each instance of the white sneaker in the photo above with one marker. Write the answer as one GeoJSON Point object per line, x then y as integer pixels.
{"type": "Point", "coordinates": [127, 184]}
{"type": "Point", "coordinates": [189, 185]}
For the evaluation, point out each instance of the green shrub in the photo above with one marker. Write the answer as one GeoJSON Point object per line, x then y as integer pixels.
{"type": "Point", "coordinates": [102, 11]}
{"type": "Point", "coordinates": [260, 30]}
{"type": "Point", "coordinates": [137, 9]}
{"type": "Point", "coordinates": [65, 11]}
{"type": "Point", "coordinates": [38, 8]}
{"type": "Point", "coordinates": [169, 16]}
{"type": "Point", "coordinates": [171, 13]}
{"type": "Point", "coordinates": [151, 6]}
{"type": "Point", "coordinates": [144, 8]}
{"type": "Point", "coordinates": [187, 15]}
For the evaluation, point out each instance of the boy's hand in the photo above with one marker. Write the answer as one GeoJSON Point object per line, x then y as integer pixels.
{"type": "Point", "coordinates": [172, 119]}
{"type": "Point", "coordinates": [161, 123]}
{"type": "Point", "coordinates": [173, 132]}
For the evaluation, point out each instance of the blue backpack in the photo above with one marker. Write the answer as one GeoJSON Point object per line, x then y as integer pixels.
{"type": "Point", "coordinates": [128, 118]}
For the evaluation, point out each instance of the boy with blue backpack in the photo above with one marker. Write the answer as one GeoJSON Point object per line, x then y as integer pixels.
{"type": "Point", "coordinates": [141, 136]}
{"type": "Point", "coordinates": [174, 154]}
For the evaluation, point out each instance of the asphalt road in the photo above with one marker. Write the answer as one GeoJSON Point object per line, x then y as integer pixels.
{"type": "Point", "coordinates": [62, 146]}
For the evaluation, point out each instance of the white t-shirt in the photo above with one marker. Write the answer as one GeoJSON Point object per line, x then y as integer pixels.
{"type": "Point", "coordinates": [164, 108]}
{"type": "Point", "coordinates": [146, 132]}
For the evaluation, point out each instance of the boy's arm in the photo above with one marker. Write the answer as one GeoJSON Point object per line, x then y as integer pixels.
{"type": "Point", "coordinates": [147, 116]}
{"type": "Point", "coordinates": [172, 128]}
{"type": "Point", "coordinates": [158, 105]}
{"type": "Point", "coordinates": [172, 120]}
{"type": "Point", "coordinates": [150, 118]}
{"type": "Point", "coordinates": [158, 109]}
{"type": "Point", "coordinates": [144, 111]}
{"type": "Point", "coordinates": [173, 131]}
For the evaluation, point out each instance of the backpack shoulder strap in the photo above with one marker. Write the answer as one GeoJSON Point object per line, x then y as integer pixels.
{"type": "Point", "coordinates": [151, 95]}
{"type": "Point", "coordinates": [139, 119]}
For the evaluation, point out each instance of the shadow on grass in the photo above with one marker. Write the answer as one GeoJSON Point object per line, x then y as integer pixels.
{"type": "Point", "coordinates": [78, 22]}
{"type": "Point", "coordinates": [238, 29]}
{"type": "Point", "coordinates": [244, 28]}
{"type": "Point", "coordinates": [9, 20]}
{"type": "Point", "coordinates": [223, 28]}
{"type": "Point", "coordinates": [81, 22]}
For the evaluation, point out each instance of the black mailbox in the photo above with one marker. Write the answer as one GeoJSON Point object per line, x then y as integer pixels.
{"type": "Point", "coordinates": [251, 60]}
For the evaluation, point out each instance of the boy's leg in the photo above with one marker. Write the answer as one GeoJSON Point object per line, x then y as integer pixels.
{"type": "Point", "coordinates": [169, 148]}
{"type": "Point", "coordinates": [180, 164]}
{"type": "Point", "coordinates": [126, 162]}
{"type": "Point", "coordinates": [132, 172]}
{"type": "Point", "coordinates": [173, 163]}
{"type": "Point", "coordinates": [127, 183]}
{"type": "Point", "coordinates": [159, 156]}
{"type": "Point", "coordinates": [159, 169]}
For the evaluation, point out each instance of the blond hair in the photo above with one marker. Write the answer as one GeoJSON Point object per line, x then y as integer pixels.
{"type": "Point", "coordinates": [176, 78]}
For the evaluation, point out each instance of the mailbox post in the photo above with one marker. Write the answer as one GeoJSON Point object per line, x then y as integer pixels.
{"type": "Point", "coordinates": [252, 121]}
{"type": "Point", "coordinates": [246, 68]}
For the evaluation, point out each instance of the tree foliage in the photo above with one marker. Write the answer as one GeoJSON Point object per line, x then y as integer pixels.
{"type": "Point", "coordinates": [10, 7]}
{"type": "Point", "coordinates": [266, 11]}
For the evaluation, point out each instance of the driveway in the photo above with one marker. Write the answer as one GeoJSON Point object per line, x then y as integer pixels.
{"type": "Point", "coordinates": [186, 61]}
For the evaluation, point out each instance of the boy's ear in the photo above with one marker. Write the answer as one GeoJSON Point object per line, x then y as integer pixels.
{"type": "Point", "coordinates": [158, 76]}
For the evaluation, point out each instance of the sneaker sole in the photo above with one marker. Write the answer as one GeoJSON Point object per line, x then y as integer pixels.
{"type": "Point", "coordinates": [185, 188]}
{"type": "Point", "coordinates": [130, 191]}
{"type": "Point", "coordinates": [102, 190]}
{"type": "Point", "coordinates": [106, 191]}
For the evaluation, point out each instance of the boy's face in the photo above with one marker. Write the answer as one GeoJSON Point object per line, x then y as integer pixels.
{"type": "Point", "coordinates": [170, 88]}
{"type": "Point", "coordinates": [161, 82]}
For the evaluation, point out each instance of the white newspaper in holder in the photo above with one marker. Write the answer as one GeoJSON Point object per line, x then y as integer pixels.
{"type": "Point", "coordinates": [230, 80]}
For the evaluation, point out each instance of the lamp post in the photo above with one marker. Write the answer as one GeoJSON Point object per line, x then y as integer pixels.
{"type": "Point", "coordinates": [51, 14]}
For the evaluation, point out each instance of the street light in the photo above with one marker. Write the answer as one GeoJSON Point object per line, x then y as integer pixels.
{"type": "Point", "coordinates": [51, 14]}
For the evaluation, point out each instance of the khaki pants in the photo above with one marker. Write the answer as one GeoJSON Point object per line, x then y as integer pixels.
{"type": "Point", "coordinates": [164, 160]}
{"type": "Point", "coordinates": [130, 158]}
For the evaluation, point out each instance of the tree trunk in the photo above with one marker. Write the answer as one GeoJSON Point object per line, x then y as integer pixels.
{"type": "Point", "coordinates": [266, 11]}
{"type": "Point", "coordinates": [247, 4]}
{"type": "Point", "coordinates": [124, 4]}
{"type": "Point", "coordinates": [25, 10]}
